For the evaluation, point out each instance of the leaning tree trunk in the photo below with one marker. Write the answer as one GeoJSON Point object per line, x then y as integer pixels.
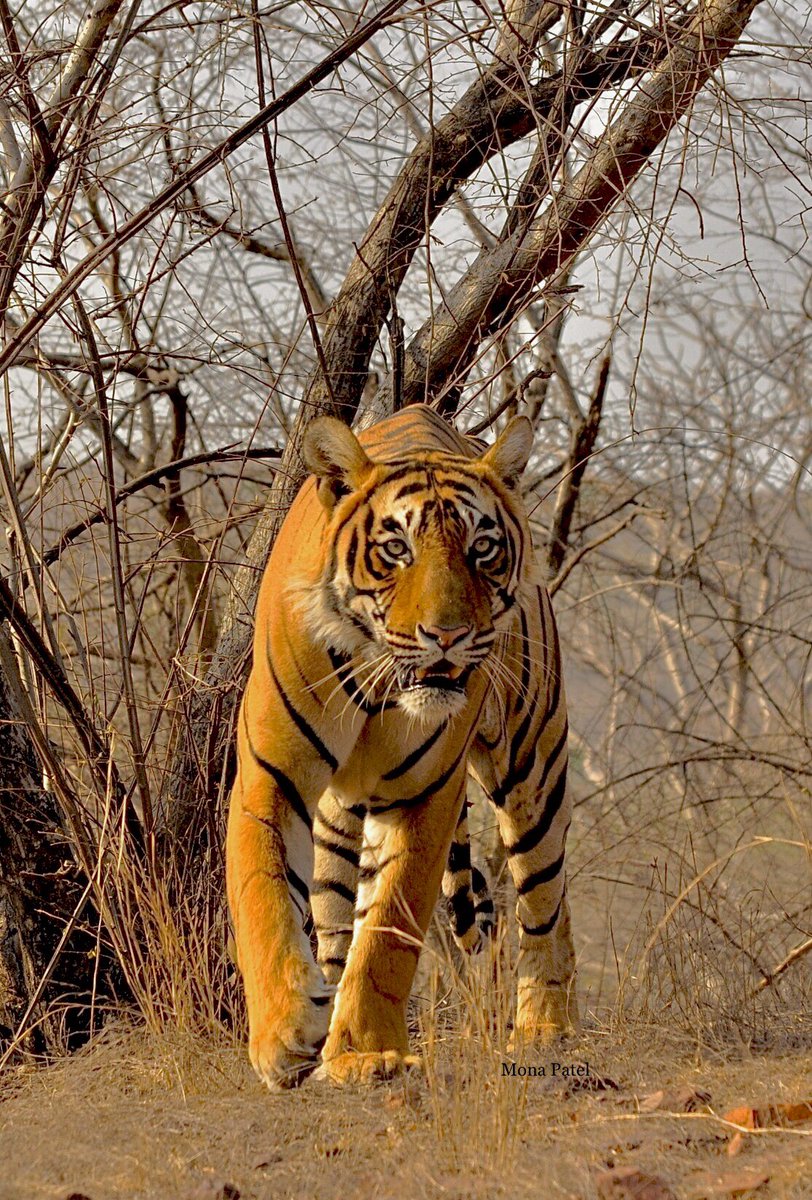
{"type": "Point", "coordinates": [50, 963]}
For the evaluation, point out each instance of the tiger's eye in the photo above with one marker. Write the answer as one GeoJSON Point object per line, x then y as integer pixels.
{"type": "Point", "coordinates": [396, 548]}
{"type": "Point", "coordinates": [483, 545]}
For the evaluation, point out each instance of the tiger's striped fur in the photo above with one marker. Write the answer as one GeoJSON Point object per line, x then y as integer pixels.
{"type": "Point", "coordinates": [402, 637]}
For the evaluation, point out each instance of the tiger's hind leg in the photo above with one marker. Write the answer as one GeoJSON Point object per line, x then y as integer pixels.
{"type": "Point", "coordinates": [465, 889]}
{"type": "Point", "coordinates": [337, 833]}
{"type": "Point", "coordinates": [525, 775]}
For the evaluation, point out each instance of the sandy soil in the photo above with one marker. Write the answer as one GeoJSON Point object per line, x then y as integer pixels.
{"type": "Point", "coordinates": [143, 1117]}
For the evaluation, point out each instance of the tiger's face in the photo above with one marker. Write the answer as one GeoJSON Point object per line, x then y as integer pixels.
{"type": "Point", "coordinates": [424, 559]}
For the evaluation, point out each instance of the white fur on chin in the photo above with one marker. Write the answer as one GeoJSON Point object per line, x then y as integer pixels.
{"type": "Point", "coordinates": [432, 704]}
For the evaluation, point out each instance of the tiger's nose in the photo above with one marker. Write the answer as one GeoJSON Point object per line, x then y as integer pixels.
{"type": "Point", "coordinates": [445, 638]}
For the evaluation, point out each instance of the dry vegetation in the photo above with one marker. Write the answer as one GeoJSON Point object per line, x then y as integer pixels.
{"type": "Point", "coordinates": [578, 211]}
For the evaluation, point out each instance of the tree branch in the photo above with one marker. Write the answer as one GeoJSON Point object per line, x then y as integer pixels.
{"type": "Point", "coordinates": [494, 289]}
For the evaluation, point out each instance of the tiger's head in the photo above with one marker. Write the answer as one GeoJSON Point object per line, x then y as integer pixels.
{"type": "Point", "coordinates": [424, 559]}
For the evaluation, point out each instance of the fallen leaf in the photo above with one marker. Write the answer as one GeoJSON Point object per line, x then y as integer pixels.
{"type": "Point", "coordinates": [680, 1099]}
{"type": "Point", "coordinates": [628, 1183]}
{"type": "Point", "coordinates": [763, 1118]}
{"type": "Point", "coordinates": [748, 1118]}
{"type": "Point", "coordinates": [793, 1114]}
{"type": "Point", "coordinates": [728, 1181]}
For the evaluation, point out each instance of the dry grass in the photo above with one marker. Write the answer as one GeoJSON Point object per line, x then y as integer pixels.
{"type": "Point", "coordinates": [141, 1116]}
{"type": "Point", "coordinates": [672, 949]}
{"type": "Point", "coordinates": [170, 1108]}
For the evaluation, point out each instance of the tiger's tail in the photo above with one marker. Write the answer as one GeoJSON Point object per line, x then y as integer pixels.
{"type": "Point", "coordinates": [470, 906]}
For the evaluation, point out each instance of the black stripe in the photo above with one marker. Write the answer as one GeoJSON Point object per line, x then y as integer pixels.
{"type": "Point", "coordinates": [410, 489]}
{"type": "Point", "coordinates": [518, 772]}
{"type": "Point", "coordinates": [459, 857]}
{"type": "Point", "coordinates": [479, 883]}
{"type": "Point", "coordinates": [320, 886]}
{"type": "Point", "coordinates": [545, 927]}
{"type": "Point", "coordinates": [331, 962]}
{"type": "Point", "coordinates": [556, 696]}
{"type": "Point", "coordinates": [352, 553]}
{"type": "Point", "coordinates": [298, 883]}
{"type": "Point", "coordinates": [356, 622]}
{"type": "Point", "coordinates": [542, 876]}
{"type": "Point", "coordinates": [428, 509]}
{"type": "Point", "coordinates": [379, 806]}
{"type": "Point", "coordinates": [532, 837]}
{"type": "Point", "coordinates": [298, 720]}
{"type": "Point", "coordinates": [369, 870]}
{"type": "Point", "coordinates": [285, 785]}
{"type": "Point", "coordinates": [463, 489]}
{"type": "Point", "coordinates": [331, 569]}
{"type": "Point", "coordinates": [400, 471]}
{"type": "Point", "coordinates": [346, 852]}
{"type": "Point", "coordinates": [336, 829]}
{"type": "Point", "coordinates": [461, 911]}
{"type": "Point", "coordinates": [410, 759]}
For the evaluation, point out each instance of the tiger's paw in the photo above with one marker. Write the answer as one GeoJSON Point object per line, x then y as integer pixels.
{"type": "Point", "coordinates": [355, 1066]}
{"type": "Point", "coordinates": [284, 1052]}
{"type": "Point", "coordinates": [544, 1017]}
{"type": "Point", "coordinates": [279, 1065]}
{"type": "Point", "coordinates": [538, 1036]}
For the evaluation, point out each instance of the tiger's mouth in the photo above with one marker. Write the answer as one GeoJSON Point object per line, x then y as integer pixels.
{"type": "Point", "coordinates": [441, 683]}
{"type": "Point", "coordinates": [443, 676]}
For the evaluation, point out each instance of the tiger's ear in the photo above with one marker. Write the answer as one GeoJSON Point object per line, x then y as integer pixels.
{"type": "Point", "coordinates": [509, 454]}
{"type": "Point", "coordinates": [333, 454]}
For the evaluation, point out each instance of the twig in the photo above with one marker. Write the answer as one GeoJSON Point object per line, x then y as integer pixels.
{"type": "Point", "coordinates": [167, 471]}
{"type": "Point", "coordinates": [793, 957]}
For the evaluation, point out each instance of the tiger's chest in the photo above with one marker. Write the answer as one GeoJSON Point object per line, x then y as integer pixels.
{"type": "Point", "coordinates": [396, 763]}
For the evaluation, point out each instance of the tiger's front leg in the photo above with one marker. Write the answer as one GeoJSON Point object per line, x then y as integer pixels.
{"type": "Point", "coordinates": [405, 853]}
{"type": "Point", "coordinates": [269, 865]}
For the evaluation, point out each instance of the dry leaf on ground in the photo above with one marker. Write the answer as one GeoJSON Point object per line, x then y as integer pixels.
{"type": "Point", "coordinates": [765, 1117]}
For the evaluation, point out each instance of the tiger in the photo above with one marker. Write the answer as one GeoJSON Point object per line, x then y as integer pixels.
{"type": "Point", "coordinates": [403, 637]}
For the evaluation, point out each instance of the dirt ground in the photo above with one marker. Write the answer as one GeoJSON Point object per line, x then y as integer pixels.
{"type": "Point", "coordinates": [159, 1118]}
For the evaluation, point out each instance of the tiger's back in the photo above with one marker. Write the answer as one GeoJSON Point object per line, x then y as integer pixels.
{"type": "Point", "coordinates": [401, 635]}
